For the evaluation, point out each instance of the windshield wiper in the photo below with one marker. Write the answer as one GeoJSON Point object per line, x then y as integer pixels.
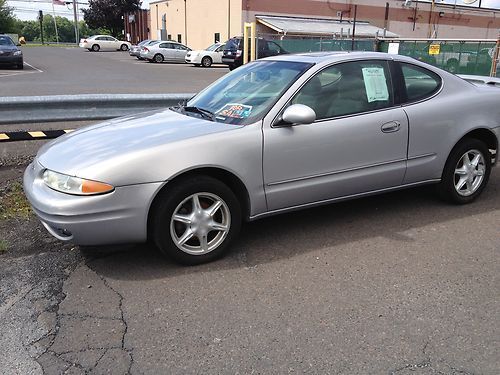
{"type": "Point", "coordinates": [205, 113]}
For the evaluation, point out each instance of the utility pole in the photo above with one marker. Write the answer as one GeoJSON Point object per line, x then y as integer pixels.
{"type": "Point", "coordinates": [40, 19]}
{"type": "Point", "coordinates": [77, 36]}
{"type": "Point", "coordinates": [496, 55]}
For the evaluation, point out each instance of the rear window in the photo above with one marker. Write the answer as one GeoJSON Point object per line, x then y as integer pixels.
{"type": "Point", "coordinates": [420, 83]}
{"type": "Point", "coordinates": [233, 44]}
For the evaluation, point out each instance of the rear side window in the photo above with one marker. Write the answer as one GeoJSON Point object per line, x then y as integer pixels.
{"type": "Point", "coordinates": [420, 83]}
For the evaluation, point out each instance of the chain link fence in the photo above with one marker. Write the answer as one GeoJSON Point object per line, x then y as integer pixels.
{"type": "Point", "coordinates": [455, 56]}
{"type": "Point", "coordinates": [460, 57]}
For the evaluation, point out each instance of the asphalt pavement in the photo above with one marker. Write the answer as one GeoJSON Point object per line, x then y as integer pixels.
{"type": "Point", "coordinates": [66, 70]}
{"type": "Point", "coordinates": [400, 283]}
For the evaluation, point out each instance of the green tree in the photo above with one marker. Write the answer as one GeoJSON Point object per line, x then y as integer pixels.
{"type": "Point", "coordinates": [7, 19]}
{"type": "Point", "coordinates": [108, 14]}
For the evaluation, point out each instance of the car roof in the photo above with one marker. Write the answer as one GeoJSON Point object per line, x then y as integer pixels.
{"type": "Point", "coordinates": [329, 56]}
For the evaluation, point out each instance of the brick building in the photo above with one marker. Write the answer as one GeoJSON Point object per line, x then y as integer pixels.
{"type": "Point", "coordinates": [199, 23]}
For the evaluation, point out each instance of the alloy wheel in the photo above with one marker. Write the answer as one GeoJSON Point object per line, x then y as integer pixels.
{"type": "Point", "coordinates": [200, 223]}
{"type": "Point", "coordinates": [469, 173]}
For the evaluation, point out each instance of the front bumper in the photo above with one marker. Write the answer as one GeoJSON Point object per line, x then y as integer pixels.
{"type": "Point", "coordinates": [11, 59]}
{"type": "Point", "coordinates": [117, 217]}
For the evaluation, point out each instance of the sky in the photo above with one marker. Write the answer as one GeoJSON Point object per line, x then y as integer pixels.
{"type": "Point", "coordinates": [28, 9]}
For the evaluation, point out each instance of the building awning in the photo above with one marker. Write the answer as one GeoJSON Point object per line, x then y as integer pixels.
{"type": "Point", "coordinates": [321, 26]}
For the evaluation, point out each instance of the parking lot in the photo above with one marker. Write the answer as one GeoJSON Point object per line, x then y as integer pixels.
{"type": "Point", "coordinates": [64, 71]}
{"type": "Point", "coordinates": [399, 283]}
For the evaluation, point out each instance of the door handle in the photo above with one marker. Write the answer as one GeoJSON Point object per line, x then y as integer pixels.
{"type": "Point", "coordinates": [390, 127]}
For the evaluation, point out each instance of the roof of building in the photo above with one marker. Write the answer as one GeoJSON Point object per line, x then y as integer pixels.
{"type": "Point", "coordinates": [321, 26]}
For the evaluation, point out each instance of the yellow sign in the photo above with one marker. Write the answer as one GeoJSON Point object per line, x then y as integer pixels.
{"type": "Point", "coordinates": [434, 49]}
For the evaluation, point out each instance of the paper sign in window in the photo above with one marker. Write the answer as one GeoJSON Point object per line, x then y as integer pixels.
{"type": "Point", "coordinates": [375, 84]}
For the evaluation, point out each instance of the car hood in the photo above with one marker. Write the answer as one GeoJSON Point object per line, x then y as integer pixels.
{"type": "Point", "coordinates": [8, 48]}
{"type": "Point", "coordinates": [100, 150]}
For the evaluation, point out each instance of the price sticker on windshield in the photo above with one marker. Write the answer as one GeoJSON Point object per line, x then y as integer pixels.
{"type": "Point", "coordinates": [235, 110]}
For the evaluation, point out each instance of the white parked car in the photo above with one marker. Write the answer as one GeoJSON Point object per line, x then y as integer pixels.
{"type": "Point", "coordinates": [168, 51]}
{"type": "Point", "coordinates": [206, 57]}
{"type": "Point", "coordinates": [104, 42]}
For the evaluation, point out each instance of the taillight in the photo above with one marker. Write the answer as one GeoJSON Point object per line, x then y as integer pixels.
{"type": "Point", "coordinates": [145, 49]}
{"type": "Point", "coordinates": [85, 41]}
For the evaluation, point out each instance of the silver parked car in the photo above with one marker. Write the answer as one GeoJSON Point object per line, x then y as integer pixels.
{"type": "Point", "coordinates": [165, 51]}
{"type": "Point", "coordinates": [279, 134]}
{"type": "Point", "coordinates": [135, 49]}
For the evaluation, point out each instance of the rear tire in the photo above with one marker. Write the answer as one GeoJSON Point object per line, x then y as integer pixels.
{"type": "Point", "coordinates": [466, 172]}
{"type": "Point", "coordinates": [196, 220]}
{"type": "Point", "coordinates": [158, 58]}
{"type": "Point", "coordinates": [96, 48]}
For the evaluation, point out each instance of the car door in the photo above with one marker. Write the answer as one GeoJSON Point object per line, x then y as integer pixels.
{"type": "Point", "coordinates": [180, 53]}
{"type": "Point", "coordinates": [168, 51]}
{"type": "Point", "coordinates": [113, 43]}
{"type": "Point", "coordinates": [357, 144]}
{"type": "Point", "coordinates": [102, 42]}
{"type": "Point", "coordinates": [217, 55]}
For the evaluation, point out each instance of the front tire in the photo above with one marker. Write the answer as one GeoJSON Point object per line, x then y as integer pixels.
{"type": "Point", "coordinates": [196, 220]}
{"type": "Point", "coordinates": [206, 62]}
{"type": "Point", "coordinates": [466, 172]}
{"type": "Point", "coordinates": [124, 47]}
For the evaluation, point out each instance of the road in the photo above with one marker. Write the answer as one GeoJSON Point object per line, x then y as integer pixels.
{"type": "Point", "coordinates": [399, 283]}
{"type": "Point", "coordinates": [59, 70]}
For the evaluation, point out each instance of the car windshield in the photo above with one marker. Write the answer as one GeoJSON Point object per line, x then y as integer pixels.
{"type": "Point", "coordinates": [6, 41]}
{"type": "Point", "coordinates": [247, 93]}
{"type": "Point", "coordinates": [213, 47]}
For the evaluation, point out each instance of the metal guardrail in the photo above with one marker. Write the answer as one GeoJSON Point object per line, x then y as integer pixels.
{"type": "Point", "coordinates": [58, 108]}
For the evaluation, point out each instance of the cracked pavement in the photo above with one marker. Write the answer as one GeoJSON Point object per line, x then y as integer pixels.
{"type": "Point", "coordinates": [395, 284]}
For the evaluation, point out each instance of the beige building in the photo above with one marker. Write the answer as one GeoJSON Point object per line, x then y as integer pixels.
{"type": "Point", "coordinates": [198, 23]}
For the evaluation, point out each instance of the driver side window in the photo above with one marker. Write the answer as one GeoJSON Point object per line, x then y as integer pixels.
{"type": "Point", "coordinates": [348, 88]}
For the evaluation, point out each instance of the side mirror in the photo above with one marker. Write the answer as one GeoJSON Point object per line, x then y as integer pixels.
{"type": "Point", "coordinates": [299, 114]}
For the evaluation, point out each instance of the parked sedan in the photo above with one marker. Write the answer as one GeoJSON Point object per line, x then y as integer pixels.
{"type": "Point", "coordinates": [104, 42]}
{"type": "Point", "coordinates": [206, 57]}
{"type": "Point", "coordinates": [276, 135]}
{"type": "Point", "coordinates": [135, 50]}
{"type": "Point", "coordinates": [10, 54]}
{"type": "Point", "coordinates": [168, 51]}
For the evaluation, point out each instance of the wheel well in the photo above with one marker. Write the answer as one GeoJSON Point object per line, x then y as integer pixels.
{"type": "Point", "coordinates": [486, 136]}
{"type": "Point", "coordinates": [228, 178]}
{"type": "Point", "coordinates": [206, 57]}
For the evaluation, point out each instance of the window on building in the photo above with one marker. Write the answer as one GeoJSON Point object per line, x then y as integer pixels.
{"type": "Point", "coordinates": [179, 38]}
{"type": "Point", "coordinates": [216, 37]}
{"type": "Point", "coordinates": [169, 36]}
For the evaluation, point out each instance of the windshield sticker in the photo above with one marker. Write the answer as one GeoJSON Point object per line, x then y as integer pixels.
{"type": "Point", "coordinates": [375, 84]}
{"type": "Point", "coordinates": [235, 110]}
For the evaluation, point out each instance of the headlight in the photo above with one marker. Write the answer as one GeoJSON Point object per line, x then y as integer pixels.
{"type": "Point", "coordinates": [17, 53]}
{"type": "Point", "coordinates": [74, 185]}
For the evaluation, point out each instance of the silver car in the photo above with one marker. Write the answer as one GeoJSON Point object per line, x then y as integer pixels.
{"type": "Point", "coordinates": [165, 51]}
{"type": "Point", "coordinates": [135, 49]}
{"type": "Point", "coordinates": [275, 135]}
